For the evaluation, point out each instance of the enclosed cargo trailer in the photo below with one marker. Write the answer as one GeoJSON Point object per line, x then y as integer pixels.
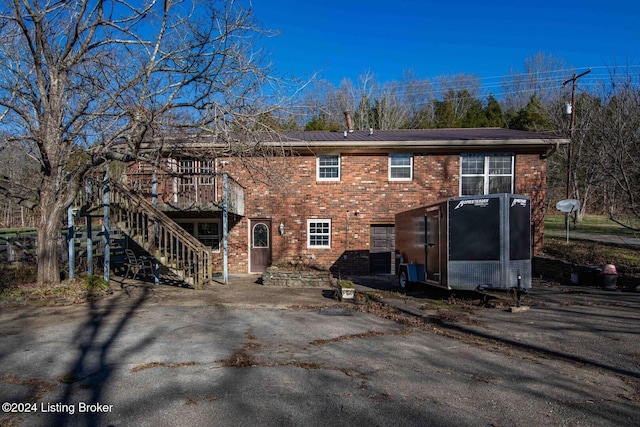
{"type": "Point", "coordinates": [467, 243]}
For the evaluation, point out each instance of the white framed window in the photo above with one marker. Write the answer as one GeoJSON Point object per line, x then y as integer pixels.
{"type": "Point", "coordinates": [319, 233]}
{"type": "Point", "coordinates": [486, 174]}
{"type": "Point", "coordinates": [400, 167]}
{"type": "Point", "coordinates": [328, 168]}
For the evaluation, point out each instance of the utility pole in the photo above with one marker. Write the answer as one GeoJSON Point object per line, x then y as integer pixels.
{"type": "Point", "coordinates": [572, 123]}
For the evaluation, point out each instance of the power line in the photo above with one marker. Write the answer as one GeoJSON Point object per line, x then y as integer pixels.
{"type": "Point", "coordinates": [484, 86]}
{"type": "Point", "coordinates": [511, 86]}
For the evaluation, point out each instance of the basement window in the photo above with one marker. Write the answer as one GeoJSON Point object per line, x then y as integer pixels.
{"type": "Point", "coordinates": [319, 233]}
{"type": "Point", "coordinates": [207, 232]}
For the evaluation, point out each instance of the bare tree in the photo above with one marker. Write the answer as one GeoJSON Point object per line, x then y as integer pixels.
{"type": "Point", "coordinates": [438, 103]}
{"type": "Point", "coordinates": [371, 105]}
{"type": "Point", "coordinates": [586, 175]}
{"type": "Point", "coordinates": [19, 175]}
{"type": "Point", "coordinates": [86, 81]}
{"type": "Point", "coordinates": [542, 78]}
{"type": "Point", "coordinates": [418, 96]}
{"type": "Point", "coordinates": [461, 90]}
{"type": "Point", "coordinates": [388, 110]}
{"type": "Point", "coordinates": [617, 153]}
{"type": "Point", "coordinates": [327, 103]}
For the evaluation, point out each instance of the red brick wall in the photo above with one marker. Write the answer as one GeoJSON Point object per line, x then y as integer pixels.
{"type": "Point", "coordinates": [294, 195]}
{"type": "Point", "coordinates": [530, 180]}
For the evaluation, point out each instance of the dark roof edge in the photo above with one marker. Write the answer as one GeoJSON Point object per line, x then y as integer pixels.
{"type": "Point", "coordinates": [378, 141]}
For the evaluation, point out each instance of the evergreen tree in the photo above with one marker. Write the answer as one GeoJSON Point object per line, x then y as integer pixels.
{"type": "Point", "coordinates": [321, 123]}
{"type": "Point", "coordinates": [529, 118]}
{"type": "Point", "coordinates": [493, 113]}
{"type": "Point", "coordinates": [445, 111]}
{"type": "Point", "coordinates": [474, 116]}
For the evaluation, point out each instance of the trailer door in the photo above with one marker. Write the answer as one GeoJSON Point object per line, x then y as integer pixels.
{"type": "Point", "coordinates": [432, 244]}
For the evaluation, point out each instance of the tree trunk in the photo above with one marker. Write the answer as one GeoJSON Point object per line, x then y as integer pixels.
{"type": "Point", "coordinates": [49, 231]}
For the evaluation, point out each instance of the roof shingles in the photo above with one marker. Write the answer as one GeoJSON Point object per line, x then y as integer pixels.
{"type": "Point", "coordinates": [462, 134]}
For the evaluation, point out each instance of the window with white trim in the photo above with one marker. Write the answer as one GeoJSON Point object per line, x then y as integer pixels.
{"type": "Point", "coordinates": [328, 168]}
{"type": "Point", "coordinates": [486, 174]}
{"type": "Point", "coordinates": [318, 233]}
{"type": "Point", "coordinates": [400, 167]}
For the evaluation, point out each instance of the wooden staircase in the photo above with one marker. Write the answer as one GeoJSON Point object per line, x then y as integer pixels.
{"type": "Point", "coordinates": [160, 236]}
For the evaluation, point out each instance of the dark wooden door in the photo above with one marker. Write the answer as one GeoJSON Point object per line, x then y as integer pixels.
{"type": "Point", "coordinates": [381, 248]}
{"type": "Point", "coordinates": [260, 245]}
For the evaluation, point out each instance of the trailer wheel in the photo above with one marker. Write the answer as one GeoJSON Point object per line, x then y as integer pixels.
{"type": "Point", "coordinates": [403, 279]}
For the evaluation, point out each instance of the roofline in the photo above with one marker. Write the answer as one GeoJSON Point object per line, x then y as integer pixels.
{"type": "Point", "coordinates": [346, 143]}
{"type": "Point", "coordinates": [394, 146]}
{"type": "Point", "coordinates": [359, 142]}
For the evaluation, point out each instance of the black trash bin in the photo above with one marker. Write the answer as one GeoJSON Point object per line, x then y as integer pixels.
{"type": "Point", "coordinates": [588, 276]}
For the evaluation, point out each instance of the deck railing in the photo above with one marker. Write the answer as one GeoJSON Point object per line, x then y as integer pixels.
{"type": "Point", "coordinates": [186, 192]}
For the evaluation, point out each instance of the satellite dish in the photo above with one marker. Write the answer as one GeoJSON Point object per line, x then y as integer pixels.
{"type": "Point", "coordinates": [568, 205]}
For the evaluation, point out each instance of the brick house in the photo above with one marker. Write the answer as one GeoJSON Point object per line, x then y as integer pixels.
{"type": "Point", "coordinates": [332, 199]}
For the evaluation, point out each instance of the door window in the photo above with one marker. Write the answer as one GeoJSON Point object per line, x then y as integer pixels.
{"type": "Point", "coordinates": [260, 236]}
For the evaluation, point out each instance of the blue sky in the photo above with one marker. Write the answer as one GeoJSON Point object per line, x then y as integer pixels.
{"type": "Point", "coordinates": [491, 39]}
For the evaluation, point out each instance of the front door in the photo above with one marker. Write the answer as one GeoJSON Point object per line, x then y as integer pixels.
{"type": "Point", "coordinates": [260, 245]}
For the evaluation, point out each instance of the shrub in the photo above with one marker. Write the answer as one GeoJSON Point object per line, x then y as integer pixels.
{"type": "Point", "coordinates": [346, 284]}
{"type": "Point", "coordinates": [11, 275]}
{"type": "Point", "coordinates": [95, 283]}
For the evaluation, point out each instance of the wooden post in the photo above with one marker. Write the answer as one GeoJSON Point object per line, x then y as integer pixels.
{"type": "Point", "coordinates": [72, 245]}
{"type": "Point", "coordinates": [225, 226]}
{"type": "Point", "coordinates": [107, 238]}
{"type": "Point", "coordinates": [89, 231]}
{"type": "Point", "coordinates": [154, 195]}
{"type": "Point", "coordinates": [89, 247]}
{"type": "Point", "coordinates": [11, 254]}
